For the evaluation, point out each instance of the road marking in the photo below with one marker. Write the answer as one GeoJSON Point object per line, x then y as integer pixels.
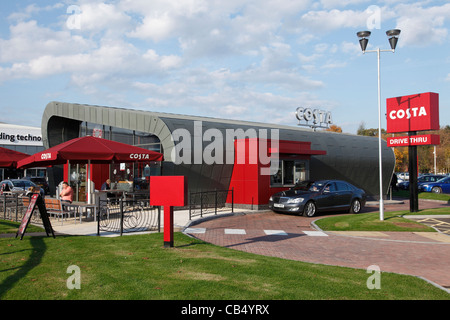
{"type": "Point", "coordinates": [315, 233]}
{"type": "Point", "coordinates": [267, 232]}
{"type": "Point", "coordinates": [234, 231]}
{"type": "Point", "coordinates": [275, 233]}
{"type": "Point", "coordinates": [195, 230]}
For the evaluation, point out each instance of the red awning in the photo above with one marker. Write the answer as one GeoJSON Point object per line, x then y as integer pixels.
{"type": "Point", "coordinates": [296, 148]}
{"type": "Point", "coordinates": [9, 158]}
{"type": "Point", "coordinates": [94, 150]}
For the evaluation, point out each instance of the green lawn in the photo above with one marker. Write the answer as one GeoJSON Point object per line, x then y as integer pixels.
{"type": "Point", "coordinates": [7, 226]}
{"type": "Point", "coordinates": [393, 221]}
{"type": "Point", "coordinates": [423, 195]}
{"type": "Point", "coordinates": [137, 267]}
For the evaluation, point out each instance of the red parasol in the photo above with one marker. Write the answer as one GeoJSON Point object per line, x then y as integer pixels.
{"type": "Point", "coordinates": [91, 150]}
{"type": "Point", "coordinates": [9, 158]}
{"type": "Point", "coordinates": [95, 150]}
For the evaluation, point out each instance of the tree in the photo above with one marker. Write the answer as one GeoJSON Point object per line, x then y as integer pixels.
{"type": "Point", "coordinates": [334, 128]}
{"type": "Point", "coordinates": [362, 131]}
{"type": "Point", "coordinates": [425, 154]}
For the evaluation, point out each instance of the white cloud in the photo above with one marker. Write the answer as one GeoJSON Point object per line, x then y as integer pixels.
{"type": "Point", "coordinates": [242, 59]}
{"type": "Point", "coordinates": [422, 26]}
{"type": "Point", "coordinates": [98, 16]}
{"type": "Point", "coordinates": [325, 21]}
{"type": "Point", "coordinates": [28, 40]}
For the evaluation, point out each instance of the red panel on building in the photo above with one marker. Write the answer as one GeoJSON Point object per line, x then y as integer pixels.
{"type": "Point", "coordinates": [416, 112]}
{"type": "Point", "coordinates": [251, 186]}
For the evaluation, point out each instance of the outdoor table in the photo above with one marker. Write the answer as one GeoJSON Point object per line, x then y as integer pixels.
{"type": "Point", "coordinates": [73, 206]}
{"type": "Point", "coordinates": [118, 192]}
{"type": "Point", "coordinates": [85, 207]}
{"type": "Point", "coordinates": [79, 208]}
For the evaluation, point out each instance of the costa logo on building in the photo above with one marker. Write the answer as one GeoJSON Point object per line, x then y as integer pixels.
{"type": "Point", "coordinates": [319, 118]}
{"type": "Point", "coordinates": [416, 112]}
{"type": "Point", "coordinates": [139, 156]}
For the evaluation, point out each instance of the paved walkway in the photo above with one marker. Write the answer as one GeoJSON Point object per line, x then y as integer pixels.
{"type": "Point", "coordinates": [422, 254]}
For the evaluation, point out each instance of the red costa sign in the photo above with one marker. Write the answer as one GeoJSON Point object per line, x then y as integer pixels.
{"type": "Point", "coordinates": [419, 140]}
{"type": "Point", "coordinates": [417, 112]}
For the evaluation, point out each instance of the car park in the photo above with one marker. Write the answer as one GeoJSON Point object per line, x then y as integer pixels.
{"type": "Point", "coordinates": [308, 198]}
{"type": "Point", "coordinates": [440, 186]}
{"type": "Point", "coordinates": [404, 185]}
{"type": "Point", "coordinates": [402, 176]}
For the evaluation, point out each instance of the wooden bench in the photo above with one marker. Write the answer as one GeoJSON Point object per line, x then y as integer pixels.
{"type": "Point", "coordinates": [56, 208]}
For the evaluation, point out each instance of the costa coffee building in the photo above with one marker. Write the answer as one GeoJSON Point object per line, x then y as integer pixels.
{"type": "Point", "coordinates": [255, 159]}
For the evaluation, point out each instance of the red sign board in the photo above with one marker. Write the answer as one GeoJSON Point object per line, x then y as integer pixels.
{"type": "Point", "coordinates": [418, 140]}
{"type": "Point", "coordinates": [417, 112]}
{"type": "Point", "coordinates": [168, 191]}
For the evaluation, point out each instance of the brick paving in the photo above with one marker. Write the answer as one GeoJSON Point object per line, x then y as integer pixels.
{"type": "Point", "coordinates": [410, 253]}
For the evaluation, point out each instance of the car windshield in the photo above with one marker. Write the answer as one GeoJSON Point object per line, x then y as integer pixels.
{"type": "Point", "coordinates": [443, 179]}
{"type": "Point", "coordinates": [302, 185]}
{"type": "Point", "coordinates": [316, 186]}
{"type": "Point", "coordinates": [23, 183]}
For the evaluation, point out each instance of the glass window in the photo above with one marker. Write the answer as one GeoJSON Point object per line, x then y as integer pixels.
{"type": "Point", "coordinates": [289, 173]}
{"type": "Point", "coordinates": [128, 176]}
{"type": "Point", "coordinates": [342, 186]}
{"type": "Point", "coordinates": [277, 178]}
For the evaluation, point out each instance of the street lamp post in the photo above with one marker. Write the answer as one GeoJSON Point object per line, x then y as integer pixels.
{"type": "Point", "coordinates": [363, 41]}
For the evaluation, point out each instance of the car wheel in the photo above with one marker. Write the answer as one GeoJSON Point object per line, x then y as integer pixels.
{"type": "Point", "coordinates": [310, 209]}
{"type": "Point", "coordinates": [356, 206]}
{"type": "Point", "coordinates": [436, 190]}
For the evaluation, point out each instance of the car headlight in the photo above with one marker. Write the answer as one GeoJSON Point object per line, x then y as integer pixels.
{"type": "Point", "coordinates": [295, 200]}
{"type": "Point", "coordinates": [270, 199]}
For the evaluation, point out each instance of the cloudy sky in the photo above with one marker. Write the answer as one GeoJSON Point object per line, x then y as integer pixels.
{"type": "Point", "coordinates": [254, 60]}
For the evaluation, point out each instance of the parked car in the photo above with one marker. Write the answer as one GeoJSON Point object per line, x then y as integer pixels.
{"type": "Point", "coordinates": [41, 182]}
{"type": "Point", "coordinates": [17, 185]}
{"type": "Point", "coordinates": [422, 179]}
{"type": "Point", "coordinates": [309, 198]}
{"type": "Point", "coordinates": [402, 176]}
{"type": "Point", "coordinates": [440, 186]}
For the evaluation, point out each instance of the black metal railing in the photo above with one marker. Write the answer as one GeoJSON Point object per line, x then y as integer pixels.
{"type": "Point", "coordinates": [210, 202]}
{"type": "Point", "coordinates": [13, 207]}
{"type": "Point", "coordinates": [123, 216]}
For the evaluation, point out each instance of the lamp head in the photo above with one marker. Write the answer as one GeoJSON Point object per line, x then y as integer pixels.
{"type": "Point", "coordinates": [393, 37]}
{"type": "Point", "coordinates": [363, 39]}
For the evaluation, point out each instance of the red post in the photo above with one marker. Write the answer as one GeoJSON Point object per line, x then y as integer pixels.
{"type": "Point", "coordinates": [168, 226]}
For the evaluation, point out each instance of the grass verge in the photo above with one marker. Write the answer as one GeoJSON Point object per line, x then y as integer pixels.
{"type": "Point", "coordinates": [137, 267]}
{"type": "Point", "coordinates": [423, 195]}
{"type": "Point", "coordinates": [7, 226]}
{"type": "Point", "coordinates": [393, 221]}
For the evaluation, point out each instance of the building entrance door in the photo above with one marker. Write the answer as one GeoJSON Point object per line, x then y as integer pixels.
{"type": "Point", "coordinates": [77, 180]}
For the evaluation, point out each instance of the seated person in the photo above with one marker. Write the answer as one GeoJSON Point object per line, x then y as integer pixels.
{"type": "Point", "coordinates": [66, 194]}
{"type": "Point", "coordinates": [107, 186]}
